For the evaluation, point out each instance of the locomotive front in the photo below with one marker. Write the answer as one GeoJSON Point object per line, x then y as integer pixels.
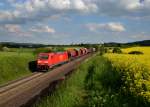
{"type": "Point", "coordinates": [43, 61]}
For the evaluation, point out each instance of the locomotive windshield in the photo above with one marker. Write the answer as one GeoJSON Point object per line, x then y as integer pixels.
{"type": "Point", "coordinates": [44, 57]}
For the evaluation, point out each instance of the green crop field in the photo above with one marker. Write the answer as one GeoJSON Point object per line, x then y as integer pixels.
{"type": "Point", "coordinates": [14, 65]}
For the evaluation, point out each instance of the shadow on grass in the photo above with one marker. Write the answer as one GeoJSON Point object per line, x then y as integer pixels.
{"type": "Point", "coordinates": [32, 65]}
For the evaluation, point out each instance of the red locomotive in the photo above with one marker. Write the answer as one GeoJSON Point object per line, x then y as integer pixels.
{"type": "Point", "coordinates": [49, 60]}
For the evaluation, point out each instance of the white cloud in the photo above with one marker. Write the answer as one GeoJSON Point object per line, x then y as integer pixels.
{"type": "Point", "coordinates": [59, 5]}
{"type": "Point", "coordinates": [5, 15]}
{"type": "Point", "coordinates": [60, 17]}
{"type": "Point", "coordinates": [13, 28]}
{"type": "Point", "coordinates": [35, 10]}
{"type": "Point", "coordinates": [112, 26]}
{"type": "Point", "coordinates": [43, 29]}
{"type": "Point", "coordinates": [83, 6]}
{"type": "Point", "coordinates": [141, 36]}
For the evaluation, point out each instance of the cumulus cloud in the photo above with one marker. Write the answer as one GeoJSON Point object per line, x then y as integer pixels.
{"type": "Point", "coordinates": [12, 28]}
{"type": "Point", "coordinates": [112, 26]}
{"type": "Point", "coordinates": [141, 36]}
{"type": "Point", "coordinates": [35, 10]}
{"type": "Point", "coordinates": [63, 17]}
{"type": "Point", "coordinates": [5, 15]}
{"type": "Point", "coordinates": [43, 29]}
{"type": "Point", "coordinates": [16, 13]}
{"type": "Point", "coordinates": [15, 29]}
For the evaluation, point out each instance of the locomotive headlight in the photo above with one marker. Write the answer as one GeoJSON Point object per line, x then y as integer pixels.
{"type": "Point", "coordinates": [45, 61]}
{"type": "Point", "coordinates": [39, 61]}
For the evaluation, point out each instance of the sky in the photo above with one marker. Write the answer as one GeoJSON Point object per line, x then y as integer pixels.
{"type": "Point", "coordinates": [74, 21]}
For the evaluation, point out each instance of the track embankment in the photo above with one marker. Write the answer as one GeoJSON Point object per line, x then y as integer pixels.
{"type": "Point", "coordinates": [20, 92]}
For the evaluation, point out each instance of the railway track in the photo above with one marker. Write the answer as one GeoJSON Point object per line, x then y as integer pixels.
{"type": "Point", "coordinates": [20, 92]}
{"type": "Point", "coordinates": [18, 82]}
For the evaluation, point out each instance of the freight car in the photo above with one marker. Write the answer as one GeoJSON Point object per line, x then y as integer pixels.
{"type": "Point", "coordinates": [79, 51]}
{"type": "Point", "coordinates": [72, 53]}
{"type": "Point", "coordinates": [46, 61]}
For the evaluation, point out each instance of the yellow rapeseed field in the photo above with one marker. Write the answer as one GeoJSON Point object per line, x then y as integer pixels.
{"type": "Point", "coordinates": [145, 50]}
{"type": "Point", "coordinates": [135, 70]}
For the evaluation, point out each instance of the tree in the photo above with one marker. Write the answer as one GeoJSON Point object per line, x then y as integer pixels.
{"type": "Point", "coordinates": [103, 49]}
{"type": "Point", "coordinates": [1, 47]}
{"type": "Point", "coordinates": [136, 52]}
{"type": "Point", "coordinates": [42, 50]}
{"type": "Point", "coordinates": [58, 49]}
{"type": "Point", "coordinates": [117, 50]}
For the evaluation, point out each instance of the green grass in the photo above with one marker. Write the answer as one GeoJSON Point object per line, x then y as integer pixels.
{"type": "Point", "coordinates": [70, 92]}
{"type": "Point", "coordinates": [102, 85]}
{"type": "Point", "coordinates": [14, 65]}
{"type": "Point", "coordinates": [76, 91]}
{"type": "Point", "coordinates": [21, 50]}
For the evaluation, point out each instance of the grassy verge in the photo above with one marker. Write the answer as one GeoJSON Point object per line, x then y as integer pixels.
{"type": "Point", "coordinates": [14, 65]}
{"type": "Point", "coordinates": [102, 85]}
{"type": "Point", "coordinates": [74, 92]}
{"type": "Point", "coordinates": [69, 93]}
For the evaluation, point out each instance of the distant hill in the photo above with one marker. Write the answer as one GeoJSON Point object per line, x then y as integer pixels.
{"type": "Point", "coordinates": [110, 44]}
{"type": "Point", "coordinates": [20, 45]}
{"type": "Point", "coordinates": [141, 43]}
{"type": "Point", "coordinates": [33, 45]}
{"type": "Point", "coordinates": [137, 43]}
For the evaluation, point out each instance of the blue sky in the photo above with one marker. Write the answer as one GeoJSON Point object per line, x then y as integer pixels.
{"type": "Point", "coordinates": [74, 21]}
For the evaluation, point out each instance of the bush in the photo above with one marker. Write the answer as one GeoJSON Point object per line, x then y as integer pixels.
{"type": "Point", "coordinates": [40, 50]}
{"type": "Point", "coordinates": [136, 52]}
{"type": "Point", "coordinates": [6, 49]}
{"type": "Point", "coordinates": [116, 50]}
{"type": "Point", "coordinates": [1, 47]}
{"type": "Point", "coordinates": [48, 49]}
{"type": "Point", "coordinates": [103, 50]}
{"type": "Point", "coordinates": [58, 49]}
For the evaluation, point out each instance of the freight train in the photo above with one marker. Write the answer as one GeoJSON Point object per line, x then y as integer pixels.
{"type": "Point", "coordinates": [46, 61]}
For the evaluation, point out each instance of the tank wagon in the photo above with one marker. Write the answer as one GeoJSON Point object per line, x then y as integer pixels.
{"type": "Point", "coordinates": [46, 61]}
